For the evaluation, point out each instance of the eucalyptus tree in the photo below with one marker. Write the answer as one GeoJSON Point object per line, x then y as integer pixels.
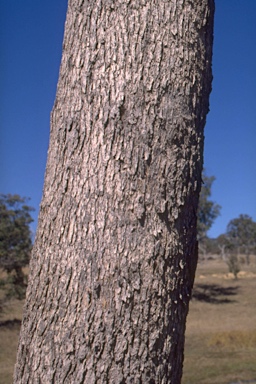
{"type": "Point", "coordinates": [116, 250]}
{"type": "Point", "coordinates": [15, 242]}
{"type": "Point", "coordinates": [208, 210]}
{"type": "Point", "coordinates": [241, 233]}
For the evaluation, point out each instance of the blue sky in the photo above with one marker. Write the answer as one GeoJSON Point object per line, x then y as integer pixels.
{"type": "Point", "coordinates": [31, 34]}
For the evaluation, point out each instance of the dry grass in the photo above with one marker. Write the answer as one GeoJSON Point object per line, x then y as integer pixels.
{"type": "Point", "coordinates": [8, 346]}
{"type": "Point", "coordinates": [10, 319]}
{"type": "Point", "coordinates": [233, 340]}
{"type": "Point", "coordinates": [221, 327]}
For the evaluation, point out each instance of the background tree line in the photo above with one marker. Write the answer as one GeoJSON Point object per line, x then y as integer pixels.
{"type": "Point", "coordinates": [235, 245]}
{"type": "Point", "coordinates": [15, 244]}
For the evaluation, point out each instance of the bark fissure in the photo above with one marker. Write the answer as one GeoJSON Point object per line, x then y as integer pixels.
{"type": "Point", "coordinates": [115, 252]}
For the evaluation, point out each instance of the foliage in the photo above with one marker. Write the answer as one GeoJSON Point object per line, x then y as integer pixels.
{"type": "Point", "coordinates": [208, 246]}
{"type": "Point", "coordinates": [206, 214]}
{"type": "Point", "coordinates": [15, 241]}
{"type": "Point", "coordinates": [241, 233]}
{"type": "Point", "coordinates": [224, 245]}
{"type": "Point", "coordinates": [233, 264]}
{"type": "Point", "coordinates": [207, 209]}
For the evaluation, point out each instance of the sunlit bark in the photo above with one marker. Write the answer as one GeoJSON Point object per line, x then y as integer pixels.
{"type": "Point", "coordinates": [115, 252]}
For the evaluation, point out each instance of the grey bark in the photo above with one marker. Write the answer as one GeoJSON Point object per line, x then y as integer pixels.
{"type": "Point", "coordinates": [115, 252]}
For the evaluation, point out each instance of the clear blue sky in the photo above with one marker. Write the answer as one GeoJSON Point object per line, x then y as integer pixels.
{"type": "Point", "coordinates": [31, 33]}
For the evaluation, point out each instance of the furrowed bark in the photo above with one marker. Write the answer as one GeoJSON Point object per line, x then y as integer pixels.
{"type": "Point", "coordinates": [115, 253]}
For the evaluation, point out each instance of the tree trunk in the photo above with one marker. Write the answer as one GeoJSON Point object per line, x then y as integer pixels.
{"type": "Point", "coordinates": [115, 253]}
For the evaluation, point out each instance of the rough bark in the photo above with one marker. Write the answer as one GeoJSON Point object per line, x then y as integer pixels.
{"type": "Point", "coordinates": [115, 253]}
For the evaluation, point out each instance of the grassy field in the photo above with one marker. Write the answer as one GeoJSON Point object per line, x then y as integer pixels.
{"type": "Point", "coordinates": [221, 328]}
{"type": "Point", "coordinates": [10, 319]}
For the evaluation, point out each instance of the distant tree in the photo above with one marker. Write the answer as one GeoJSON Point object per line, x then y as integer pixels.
{"type": "Point", "coordinates": [224, 245]}
{"type": "Point", "coordinates": [208, 211]}
{"type": "Point", "coordinates": [241, 233]}
{"type": "Point", "coordinates": [208, 246]}
{"type": "Point", "coordinates": [15, 240]}
{"type": "Point", "coordinates": [233, 264]}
